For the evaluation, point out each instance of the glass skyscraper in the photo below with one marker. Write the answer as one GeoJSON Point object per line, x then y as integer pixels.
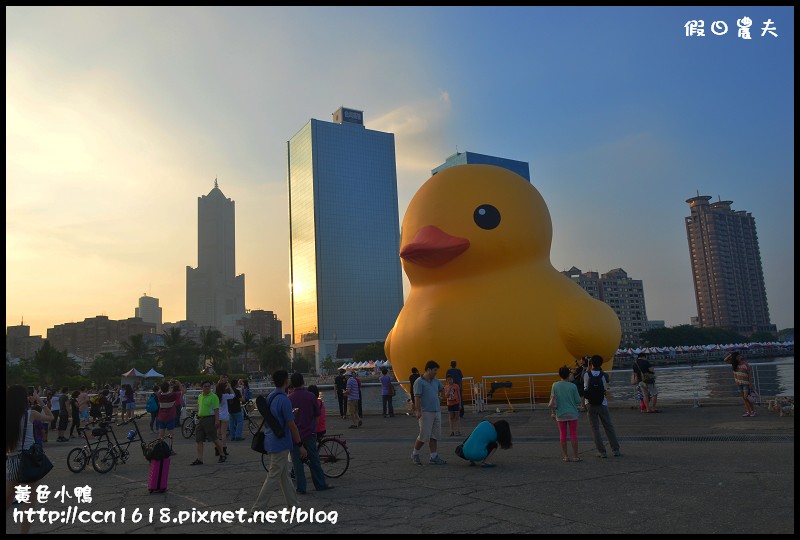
{"type": "Point", "coordinates": [344, 235]}
{"type": "Point", "coordinates": [472, 158]}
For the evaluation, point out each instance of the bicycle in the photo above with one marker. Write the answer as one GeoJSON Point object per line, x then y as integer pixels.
{"type": "Point", "coordinates": [334, 456]}
{"type": "Point", "coordinates": [105, 459]}
{"type": "Point", "coordinates": [189, 424]}
{"type": "Point", "coordinates": [252, 425]}
{"type": "Point", "coordinates": [79, 457]}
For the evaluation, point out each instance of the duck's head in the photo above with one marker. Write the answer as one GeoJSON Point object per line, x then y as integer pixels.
{"type": "Point", "coordinates": [471, 219]}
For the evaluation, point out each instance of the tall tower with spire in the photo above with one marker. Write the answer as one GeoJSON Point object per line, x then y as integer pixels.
{"type": "Point", "coordinates": [214, 293]}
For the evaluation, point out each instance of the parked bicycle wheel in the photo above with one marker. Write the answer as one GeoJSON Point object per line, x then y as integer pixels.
{"type": "Point", "coordinates": [335, 458]}
{"type": "Point", "coordinates": [77, 459]}
{"type": "Point", "coordinates": [103, 460]}
{"type": "Point", "coordinates": [252, 426]}
{"type": "Point", "coordinates": [187, 427]}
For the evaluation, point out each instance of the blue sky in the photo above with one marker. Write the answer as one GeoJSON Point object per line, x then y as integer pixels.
{"type": "Point", "coordinates": [117, 119]}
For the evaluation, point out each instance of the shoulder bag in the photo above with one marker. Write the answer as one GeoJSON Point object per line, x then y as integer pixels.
{"type": "Point", "coordinates": [257, 444]}
{"type": "Point", "coordinates": [33, 462]}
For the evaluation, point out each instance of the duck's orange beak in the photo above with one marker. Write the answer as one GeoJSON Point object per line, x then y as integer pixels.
{"type": "Point", "coordinates": [432, 247]}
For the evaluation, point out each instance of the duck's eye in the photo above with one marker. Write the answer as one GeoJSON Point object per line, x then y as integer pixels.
{"type": "Point", "coordinates": [486, 216]}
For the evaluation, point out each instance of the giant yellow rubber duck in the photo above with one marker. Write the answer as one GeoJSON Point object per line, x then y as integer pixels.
{"type": "Point", "coordinates": [475, 245]}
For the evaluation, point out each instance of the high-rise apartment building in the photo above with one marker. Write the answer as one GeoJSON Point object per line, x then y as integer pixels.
{"type": "Point", "coordinates": [264, 324]}
{"type": "Point", "coordinates": [87, 338]}
{"type": "Point", "coordinates": [214, 293]}
{"type": "Point", "coordinates": [149, 311]}
{"type": "Point", "coordinates": [726, 267]}
{"type": "Point", "coordinates": [623, 294]}
{"type": "Point", "coordinates": [466, 158]}
{"type": "Point", "coordinates": [20, 343]}
{"type": "Point", "coordinates": [346, 278]}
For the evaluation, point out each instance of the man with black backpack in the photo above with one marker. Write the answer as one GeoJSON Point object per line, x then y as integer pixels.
{"type": "Point", "coordinates": [280, 435]}
{"type": "Point", "coordinates": [595, 383]}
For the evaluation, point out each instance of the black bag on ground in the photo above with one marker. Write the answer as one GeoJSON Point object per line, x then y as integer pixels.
{"type": "Point", "coordinates": [595, 391]}
{"type": "Point", "coordinates": [157, 450]}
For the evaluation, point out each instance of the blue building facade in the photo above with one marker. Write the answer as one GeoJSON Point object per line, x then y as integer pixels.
{"type": "Point", "coordinates": [346, 277]}
{"type": "Point", "coordinates": [472, 158]}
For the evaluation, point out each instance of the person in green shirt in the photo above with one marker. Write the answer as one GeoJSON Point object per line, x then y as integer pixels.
{"type": "Point", "coordinates": [208, 412]}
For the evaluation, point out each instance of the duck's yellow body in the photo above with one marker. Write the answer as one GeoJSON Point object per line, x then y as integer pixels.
{"type": "Point", "coordinates": [475, 245]}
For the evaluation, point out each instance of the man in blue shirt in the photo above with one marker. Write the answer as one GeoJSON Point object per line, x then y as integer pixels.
{"type": "Point", "coordinates": [427, 409]}
{"type": "Point", "coordinates": [308, 411]}
{"type": "Point", "coordinates": [278, 447]}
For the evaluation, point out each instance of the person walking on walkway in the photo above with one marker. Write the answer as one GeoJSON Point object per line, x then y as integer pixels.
{"type": "Point", "coordinates": [353, 396]}
{"type": "Point", "coordinates": [411, 380]}
{"type": "Point", "coordinates": [645, 372]}
{"type": "Point", "coordinates": [458, 378]}
{"type": "Point", "coordinates": [566, 412]}
{"type": "Point", "coordinates": [453, 396]}
{"type": "Point", "coordinates": [743, 377]}
{"type": "Point", "coordinates": [208, 412]}
{"type": "Point", "coordinates": [278, 447]}
{"type": "Point", "coordinates": [428, 390]}
{"type": "Point", "coordinates": [306, 411]}
{"type": "Point", "coordinates": [386, 393]}
{"type": "Point", "coordinates": [595, 384]}
{"type": "Point", "coordinates": [340, 382]}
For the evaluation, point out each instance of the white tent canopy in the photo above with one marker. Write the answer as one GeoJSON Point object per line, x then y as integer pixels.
{"type": "Point", "coordinates": [152, 373]}
{"type": "Point", "coordinates": [133, 373]}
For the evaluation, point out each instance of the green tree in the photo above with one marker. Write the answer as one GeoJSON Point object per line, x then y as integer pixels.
{"type": "Point", "coordinates": [136, 353]}
{"type": "Point", "coordinates": [302, 364]}
{"type": "Point", "coordinates": [328, 365]}
{"type": "Point", "coordinates": [785, 332]}
{"type": "Point", "coordinates": [178, 355]}
{"type": "Point", "coordinates": [107, 369]}
{"type": "Point", "coordinates": [761, 337]}
{"type": "Point", "coordinates": [273, 354]}
{"type": "Point", "coordinates": [373, 351]}
{"type": "Point", "coordinates": [228, 349]}
{"type": "Point", "coordinates": [210, 349]}
{"type": "Point", "coordinates": [248, 343]}
{"type": "Point", "coordinates": [53, 365]}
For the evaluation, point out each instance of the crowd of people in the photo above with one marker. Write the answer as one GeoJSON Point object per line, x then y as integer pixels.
{"type": "Point", "coordinates": [299, 413]}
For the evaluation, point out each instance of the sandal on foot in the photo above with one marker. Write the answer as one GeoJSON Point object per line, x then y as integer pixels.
{"type": "Point", "coordinates": [487, 465]}
{"type": "Point", "coordinates": [565, 459]}
{"type": "Point", "coordinates": [576, 459]}
{"type": "Point", "coordinates": [196, 462]}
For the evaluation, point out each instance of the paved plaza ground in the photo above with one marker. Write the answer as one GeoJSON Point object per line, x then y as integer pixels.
{"type": "Point", "coordinates": [687, 470]}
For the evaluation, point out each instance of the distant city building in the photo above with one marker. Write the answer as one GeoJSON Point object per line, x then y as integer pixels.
{"type": "Point", "coordinates": [187, 328]}
{"type": "Point", "coordinates": [623, 294]}
{"type": "Point", "coordinates": [214, 293]}
{"type": "Point", "coordinates": [652, 325]}
{"type": "Point", "coordinates": [465, 158]}
{"type": "Point", "coordinates": [344, 235]}
{"type": "Point", "coordinates": [265, 324]}
{"type": "Point", "coordinates": [726, 267]}
{"type": "Point", "coordinates": [149, 311]}
{"type": "Point", "coordinates": [20, 343]}
{"type": "Point", "coordinates": [87, 338]}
